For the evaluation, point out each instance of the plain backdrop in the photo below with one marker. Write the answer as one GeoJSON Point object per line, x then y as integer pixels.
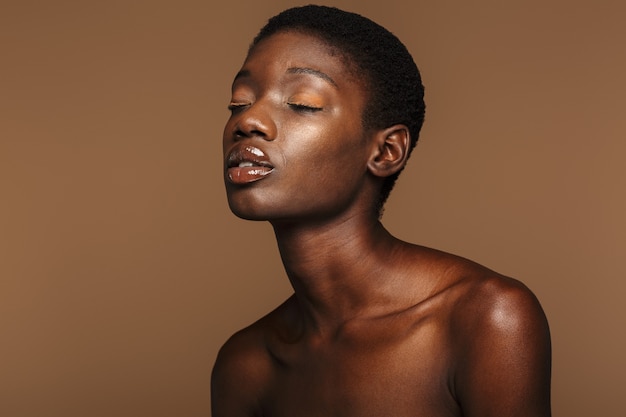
{"type": "Point", "coordinates": [122, 270]}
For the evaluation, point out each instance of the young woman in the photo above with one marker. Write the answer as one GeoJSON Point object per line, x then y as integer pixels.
{"type": "Point", "coordinates": [325, 112]}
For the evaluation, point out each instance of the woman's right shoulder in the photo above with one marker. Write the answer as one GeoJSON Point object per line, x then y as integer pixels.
{"type": "Point", "coordinates": [247, 352]}
{"type": "Point", "coordinates": [241, 371]}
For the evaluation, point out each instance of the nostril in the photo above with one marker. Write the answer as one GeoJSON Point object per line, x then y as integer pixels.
{"type": "Point", "coordinates": [251, 124]}
{"type": "Point", "coordinates": [240, 133]}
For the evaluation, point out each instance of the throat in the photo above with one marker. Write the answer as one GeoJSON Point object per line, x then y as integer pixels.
{"type": "Point", "coordinates": [339, 277]}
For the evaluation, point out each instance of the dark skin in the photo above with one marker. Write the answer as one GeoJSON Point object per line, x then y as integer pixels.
{"type": "Point", "coordinates": [376, 326]}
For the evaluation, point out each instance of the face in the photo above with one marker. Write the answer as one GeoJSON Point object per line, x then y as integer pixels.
{"type": "Point", "coordinates": [294, 145]}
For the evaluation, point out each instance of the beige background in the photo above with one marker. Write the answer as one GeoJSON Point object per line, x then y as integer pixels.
{"type": "Point", "coordinates": [122, 270]}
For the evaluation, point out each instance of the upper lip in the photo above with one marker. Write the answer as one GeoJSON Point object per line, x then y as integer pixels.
{"type": "Point", "coordinates": [247, 153]}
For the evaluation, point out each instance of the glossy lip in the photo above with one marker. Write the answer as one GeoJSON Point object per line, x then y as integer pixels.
{"type": "Point", "coordinates": [256, 164]}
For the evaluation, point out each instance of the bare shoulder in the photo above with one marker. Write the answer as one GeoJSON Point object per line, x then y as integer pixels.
{"type": "Point", "coordinates": [493, 306]}
{"type": "Point", "coordinates": [478, 296]}
{"type": "Point", "coordinates": [502, 346]}
{"type": "Point", "coordinates": [238, 374]}
{"type": "Point", "coordinates": [242, 370]}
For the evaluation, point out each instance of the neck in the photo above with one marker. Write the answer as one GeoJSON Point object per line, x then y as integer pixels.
{"type": "Point", "coordinates": [339, 271]}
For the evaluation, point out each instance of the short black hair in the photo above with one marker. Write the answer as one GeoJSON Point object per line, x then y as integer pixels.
{"type": "Point", "coordinates": [393, 81]}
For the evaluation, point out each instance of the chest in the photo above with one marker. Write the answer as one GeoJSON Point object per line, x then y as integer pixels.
{"type": "Point", "coordinates": [374, 372]}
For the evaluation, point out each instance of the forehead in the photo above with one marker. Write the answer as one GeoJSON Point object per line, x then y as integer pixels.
{"type": "Point", "coordinates": [291, 49]}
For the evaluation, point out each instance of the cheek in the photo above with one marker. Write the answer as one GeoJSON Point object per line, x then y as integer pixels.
{"type": "Point", "coordinates": [323, 149]}
{"type": "Point", "coordinates": [330, 165]}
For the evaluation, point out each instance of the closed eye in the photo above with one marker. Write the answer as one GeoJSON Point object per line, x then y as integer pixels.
{"type": "Point", "coordinates": [304, 107]}
{"type": "Point", "coordinates": [234, 107]}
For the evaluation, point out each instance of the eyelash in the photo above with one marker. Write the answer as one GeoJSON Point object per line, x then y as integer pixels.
{"type": "Point", "coordinates": [234, 107]}
{"type": "Point", "coordinates": [304, 108]}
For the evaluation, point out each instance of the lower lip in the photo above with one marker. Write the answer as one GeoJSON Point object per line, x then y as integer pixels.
{"type": "Point", "coordinates": [246, 175]}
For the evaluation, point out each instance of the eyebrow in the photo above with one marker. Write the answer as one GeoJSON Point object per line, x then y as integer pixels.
{"type": "Point", "coordinates": [295, 70]}
{"type": "Point", "coordinates": [314, 72]}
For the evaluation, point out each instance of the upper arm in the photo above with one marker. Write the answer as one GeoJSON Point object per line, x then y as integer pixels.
{"type": "Point", "coordinates": [505, 363]}
{"type": "Point", "coordinates": [238, 377]}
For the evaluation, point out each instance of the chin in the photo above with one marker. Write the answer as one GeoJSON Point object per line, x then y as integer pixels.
{"type": "Point", "coordinates": [247, 210]}
{"type": "Point", "coordinates": [250, 203]}
{"type": "Point", "coordinates": [245, 215]}
{"type": "Point", "coordinates": [276, 207]}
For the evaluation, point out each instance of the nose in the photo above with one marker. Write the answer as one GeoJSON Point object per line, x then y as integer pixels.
{"type": "Point", "coordinates": [255, 121]}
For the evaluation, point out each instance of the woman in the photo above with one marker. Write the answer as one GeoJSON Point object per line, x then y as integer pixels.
{"type": "Point", "coordinates": [325, 112]}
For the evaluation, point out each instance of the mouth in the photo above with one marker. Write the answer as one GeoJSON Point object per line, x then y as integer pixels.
{"type": "Point", "coordinates": [246, 164]}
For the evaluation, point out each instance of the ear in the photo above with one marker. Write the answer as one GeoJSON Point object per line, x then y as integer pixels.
{"type": "Point", "coordinates": [390, 151]}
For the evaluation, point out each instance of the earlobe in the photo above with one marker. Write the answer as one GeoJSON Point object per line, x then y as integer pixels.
{"type": "Point", "coordinates": [390, 152]}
